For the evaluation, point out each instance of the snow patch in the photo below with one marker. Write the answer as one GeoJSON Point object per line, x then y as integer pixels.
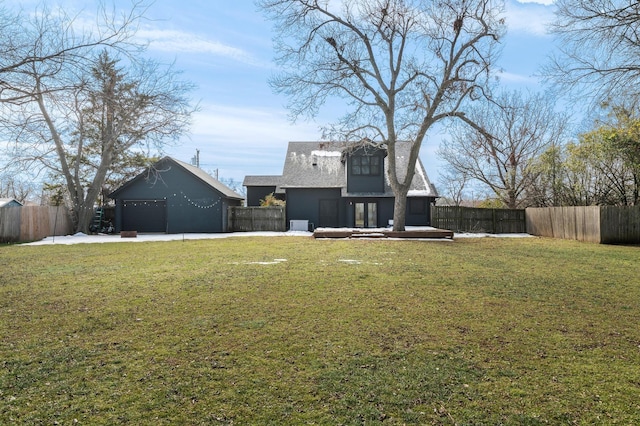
{"type": "Point", "coordinates": [274, 262]}
{"type": "Point", "coordinates": [419, 193]}
{"type": "Point", "coordinates": [80, 238]}
{"type": "Point", "coordinates": [327, 153]}
{"type": "Point", "coordinates": [102, 238]}
{"type": "Point", "coordinates": [357, 262]}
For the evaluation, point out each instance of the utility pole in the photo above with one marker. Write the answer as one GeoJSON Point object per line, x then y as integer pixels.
{"type": "Point", "coordinates": [196, 159]}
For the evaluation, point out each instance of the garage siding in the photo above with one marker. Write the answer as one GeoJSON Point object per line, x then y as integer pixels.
{"type": "Point", "coordinates": [144, 215]}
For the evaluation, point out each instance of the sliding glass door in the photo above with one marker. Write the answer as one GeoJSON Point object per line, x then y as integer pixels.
{"type": "Point", "coordinates": [366, 215]}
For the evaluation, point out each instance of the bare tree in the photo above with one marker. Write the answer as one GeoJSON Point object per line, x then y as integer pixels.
{"type": "Point", "coordinates": [69, 105]}
{"type": "Point", "coordinates": [454, 184]}
{"type": "Point", "coordinates": [49, 41]}
{"type": "Point", "coordinates": [516, 129]}
{"type": "Point", "coordinates": [599, 48]}
{"type": "Point", "coordinates": [13, 187]}
{"type": "Point", "coordinates": [401, 65]}
{"type": "Point", "coordinates": [234, 185]}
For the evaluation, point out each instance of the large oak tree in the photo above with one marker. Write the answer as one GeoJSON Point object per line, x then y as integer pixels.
{"type": "Point", "coordinates": [401, 66]}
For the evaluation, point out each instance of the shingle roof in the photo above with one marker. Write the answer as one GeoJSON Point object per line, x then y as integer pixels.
{"type": "Point", "coordinates": [208, 179]}
{"type": "Point", "coordinates": [270, 181]}
{"type": "Point", "coordinates": [267, 180]}
{"type": "Point", "coordinates": [195, 171]}
{"type": "Point", "coordinates": [314, 165]}
{"type": "Point", "coordinates": [321, 165]}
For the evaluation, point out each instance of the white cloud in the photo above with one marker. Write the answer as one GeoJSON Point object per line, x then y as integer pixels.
{"type": "Point", "coordinates": [531, 17]}
{"type": "Point", "coordinates": [241, 141]}
{"type": "Point", "coordinates": [248, 125]}
{"type": "Point", "coordinates": [520, 79]}
{"type": "Point", "coordinates": [184, 42]}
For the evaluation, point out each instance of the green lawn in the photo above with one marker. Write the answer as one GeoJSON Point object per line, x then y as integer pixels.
{"type": "Point", "coordinates": [292, 330]}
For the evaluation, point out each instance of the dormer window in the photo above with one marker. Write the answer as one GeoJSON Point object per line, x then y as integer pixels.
{"type": "Point", "coordinates": [366, 165]}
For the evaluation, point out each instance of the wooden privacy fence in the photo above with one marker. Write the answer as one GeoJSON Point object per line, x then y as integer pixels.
{"type": "Point", "coordinates": [246, 219]}
{"type": "Point", "coordinates": [470, 219]}
{"type": "Point", "coordinates": [596, 224]}
{"type": "Point", "coordinates": [32, 223]}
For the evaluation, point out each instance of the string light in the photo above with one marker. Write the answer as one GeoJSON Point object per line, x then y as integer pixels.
{"type": "Point", "coordinates": [136, 203]}
{"type": "Point", "coordinates": [195, 204]}
{"type": "Point", "coordinates": [190, 202]}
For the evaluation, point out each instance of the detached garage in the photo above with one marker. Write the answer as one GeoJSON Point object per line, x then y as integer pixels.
{"type": "Point", "coordinates": [173, 197]}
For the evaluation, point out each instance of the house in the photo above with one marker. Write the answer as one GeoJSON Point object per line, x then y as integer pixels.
{"type": "Point", "coordinates": [9, 202]}
{"type": "Point", "coordinates": [173, 197]}
{"type": "Point", "coordinates": [334, 184]}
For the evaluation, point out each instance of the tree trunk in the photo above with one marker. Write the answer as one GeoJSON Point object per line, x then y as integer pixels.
{"type": "Point", "coordinates": [401, 189]}
{"type": "Point", "coordinates": [86, 209]}
{"type": "Point", "coordinates": [85, 217]}
{"type": "Point", "coordinates": [400, 210]}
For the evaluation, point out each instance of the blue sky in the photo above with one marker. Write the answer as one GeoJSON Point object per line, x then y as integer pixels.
{"type": "Point", "coordinates": [225, 49]}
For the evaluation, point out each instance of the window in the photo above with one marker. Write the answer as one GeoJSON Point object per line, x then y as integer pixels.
{"type": "Point", "coordinates": [365, 165]}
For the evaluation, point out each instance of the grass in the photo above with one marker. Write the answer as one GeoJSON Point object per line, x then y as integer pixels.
{"type": "Point", "coordinates": [298, 331]}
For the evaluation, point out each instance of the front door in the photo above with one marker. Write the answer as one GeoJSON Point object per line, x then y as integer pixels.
{"type": "Point", "coordinates": [366, 215]}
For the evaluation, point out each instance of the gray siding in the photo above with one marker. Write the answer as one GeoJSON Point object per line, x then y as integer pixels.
{"type": "Point", "coordinates": [304, 204]}
{"type": "Point", "coordinates": [366, 183]}
{"type": "Point", "coordinates": [187, 203]}
{"type": "Point", "coordinates": [385, 210]}
{"type": "Point", "coordinates": [419, 211]}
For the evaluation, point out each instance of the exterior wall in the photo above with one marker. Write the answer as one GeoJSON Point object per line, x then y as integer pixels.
{"type": "Point", "coordinates": [304, 204]}
{"type": "Point", "coordinates": [385, 211]}
{"type": "Point", "coordinates": [365, 183]}
{"type": "Point", "coordinates": [384, 207]}
{"type": "Point", "coordinates": [419, 211]}
{"type": "Point", "coordinates": [257, 193]}
{"type": "Point", "coordinates": [191, 205]}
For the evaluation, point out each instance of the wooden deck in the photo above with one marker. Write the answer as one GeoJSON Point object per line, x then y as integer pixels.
{"type": "Point", "coordinates": [378, 233]}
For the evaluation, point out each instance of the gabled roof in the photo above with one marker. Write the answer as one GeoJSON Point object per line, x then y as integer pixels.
{"type": "Point", "coordinates": [195, 171]}
{"type": "Point", "coordinates": [267, 180]}
{"type": "Point", "coordinates": [314, 165]}
{"type": "Point", "coordinates": [270, 181]}
{"type": "Point", "coordinates": [321, 165]}
{"type": "Point", "coordinates": [9, 202]}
